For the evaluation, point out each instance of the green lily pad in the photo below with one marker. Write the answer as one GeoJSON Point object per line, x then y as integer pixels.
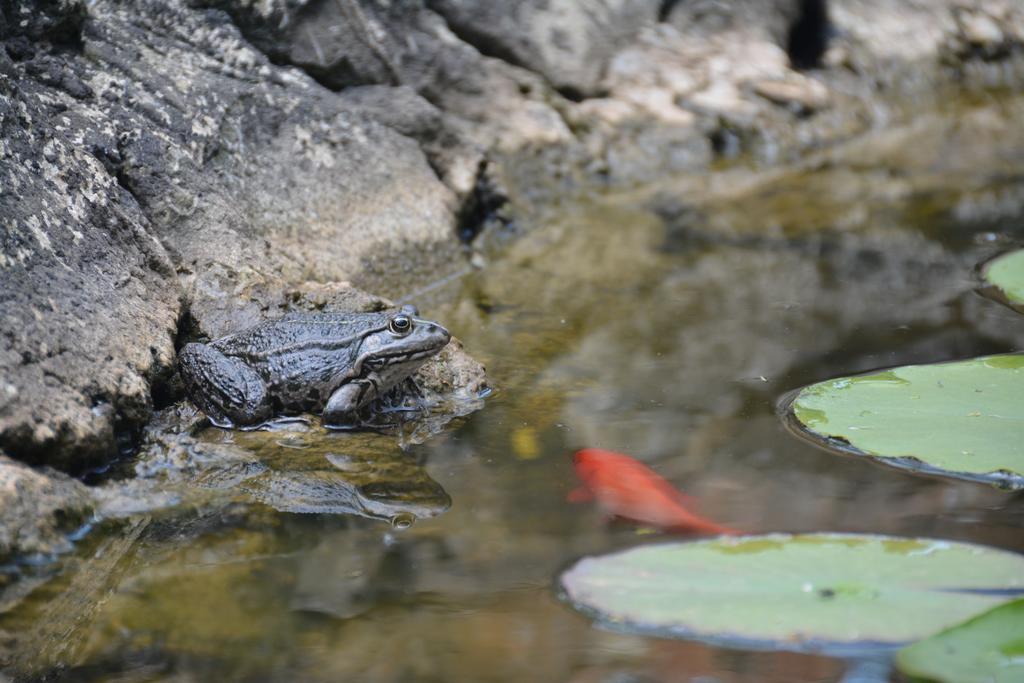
{"type": "Point", "coordinates": [961, 419]}
{"type": "Point", "coordinates": [987, 649]}
{"type": "Point", "coordinates": [842, 593]}
{"type": "Point", "coordinates": [1004, 276]}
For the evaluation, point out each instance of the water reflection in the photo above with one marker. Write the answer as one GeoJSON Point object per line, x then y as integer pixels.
{"type": "Point", "coordinates": [295, 467]}
{"type": "Point", "coordinates": [372, 479]}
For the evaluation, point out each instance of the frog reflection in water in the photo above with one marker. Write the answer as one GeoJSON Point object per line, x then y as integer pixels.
{"type": "Point", "coordinates": [331, 362]}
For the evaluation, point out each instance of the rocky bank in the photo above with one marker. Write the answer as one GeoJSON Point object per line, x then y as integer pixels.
{"type": "Point", "coordinates": [175, 169]}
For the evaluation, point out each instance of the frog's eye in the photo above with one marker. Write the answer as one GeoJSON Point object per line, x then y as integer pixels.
{"type": "Point", "coordinates": [401, 325]}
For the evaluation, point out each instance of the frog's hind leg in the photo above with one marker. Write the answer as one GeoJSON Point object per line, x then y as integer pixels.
{"type": "Point", "coordinates": [230, 392]}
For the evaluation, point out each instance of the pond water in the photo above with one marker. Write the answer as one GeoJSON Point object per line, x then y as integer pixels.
{"type": "Point", "coordinates": [664, 322]}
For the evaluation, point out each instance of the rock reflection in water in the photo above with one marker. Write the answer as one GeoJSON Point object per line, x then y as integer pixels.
{"type": "Point", "coordinates": [307, 472]}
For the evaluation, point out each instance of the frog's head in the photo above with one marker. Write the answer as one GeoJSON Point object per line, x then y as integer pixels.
{"type": "Point", "coordinates": [400, 346]}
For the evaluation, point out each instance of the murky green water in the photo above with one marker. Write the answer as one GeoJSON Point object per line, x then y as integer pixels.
{"type": "Point", "coordinates": [663, 322]}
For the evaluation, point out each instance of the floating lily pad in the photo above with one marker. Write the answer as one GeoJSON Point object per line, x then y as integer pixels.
{"type": "Point", "coordinates": [987, 649]}
{"type": "Point", "coordinates": [840, 593]}
{"type": "Point", "coordinates": [961, 419]}
{"type": "Point", "coordinates": [1004, 276]}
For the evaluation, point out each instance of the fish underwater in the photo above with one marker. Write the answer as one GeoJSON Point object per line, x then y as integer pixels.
{"type": "Point", "coordinates": [625, 487]}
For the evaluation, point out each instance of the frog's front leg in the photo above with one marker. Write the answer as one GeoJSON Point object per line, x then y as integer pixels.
{"type": "Point", "coordinates": [230, 392]}
{"type": "Point", "coordinates": [341, 411]}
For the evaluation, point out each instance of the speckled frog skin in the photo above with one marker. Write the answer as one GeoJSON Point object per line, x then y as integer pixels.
{"type": "Point", "coordinates": [330, 362]}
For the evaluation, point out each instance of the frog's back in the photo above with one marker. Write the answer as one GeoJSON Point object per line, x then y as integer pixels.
{"type": "Point", "coordinates": [305, 335]}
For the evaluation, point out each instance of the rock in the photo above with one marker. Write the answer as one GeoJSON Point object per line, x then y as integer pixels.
{"type": "Point", "coordinates": [991, 31]}
{"type": "Point", "coordinates": [57, 20]}
{"type": "Point", "coordinates": [684, 82]}
{"type": "Point", "coordinates": [397, 53]}
{"type": "Point", "coordinates": [457, 160]}
{"type": "Point", "coordinates": [453, 373]}
{"type": "Point", "coordinates": [568, 42]}
{"type": "Point", "coordinates": [768, 20]}
{"type": "Point", "coordinates": [802, 95]}
{"type": "Point", "coordinates": [174, 170]}
{"type": "Point", "coordinates": [333, 296]}
{"type": "Point", "coordinates": [979, 29]}
{"type": "Point", "coordinates": [883, 32]}
{"type": "Point", "coordinates": [890, 38]}
{"type": "Point", "coordinates": [90, 302]}
{"type": "Point", "coordinates": [344, 44]}
{"type": "Point", "coordinates": [470, 103]}
{"type": "Point", "coordinates": [243, 161]}
{"type": "Point", "coordinates": [38, 508]}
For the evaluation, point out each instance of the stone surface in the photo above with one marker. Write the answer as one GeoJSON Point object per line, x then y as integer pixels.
{"type": "Point", "coordinates": [769, 20]}
{"type": "Point", "coordinates": [568, 42]}
{"type": "Point", "coordinates": [880, 36]}
{"type": "Point", "coordinates": [40, 507]}
{"type": "Point", "coordinates": [58, 20]}
{"type": "Point", "coordinates": [486, 103]}
{"type": "Point", "coordinates": [664, 89]}
{"type": "Point", "coordinates": [802, 95]}
{"type": "Point", "coordinates": [90, 301]}
{"type": "Point", "coordinates": [174, 170]}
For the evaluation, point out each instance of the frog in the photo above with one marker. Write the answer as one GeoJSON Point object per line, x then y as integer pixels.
{"type": "Point", "coordinates": [327, 362]}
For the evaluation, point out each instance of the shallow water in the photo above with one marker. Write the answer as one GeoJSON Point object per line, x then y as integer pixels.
{"type": "Point", "coordinates": [643, 321]}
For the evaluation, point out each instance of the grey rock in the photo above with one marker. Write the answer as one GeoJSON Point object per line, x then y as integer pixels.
{"type": "Point", "coordinates": [57, 20]}
{"type": "Point", "coordinates": [771, 19]}
{"type": "Point", "coordinates": [401, 64]}
{"type": "Point", "coordinates": [38, 508]}
{"type": "Point", "coordinates": [243, 160]}
{"type": "Point", "coordinates": [458, 161]}
{"type": "Point", "coordinates": [569, 42]}
{"type": "Point", "coordinates": [885, 38]}
{"type": "Point", "coordinates": [802, 95]}
{"type": "Point", "coordinates": [990, 31]}
{"type": "Point", "coordinates": [90, 301]}
{"type": "Point", "coordinates": [355, 42]}
{"type": "Point", "coordinates": [172, 168]}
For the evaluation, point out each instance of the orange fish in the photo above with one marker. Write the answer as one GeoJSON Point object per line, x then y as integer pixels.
{"type": "Point", "coordinates": [627, 488]}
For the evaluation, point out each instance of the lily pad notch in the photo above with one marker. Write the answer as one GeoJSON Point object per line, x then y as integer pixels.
{"type": "Point", "coordinates": [961, 419]}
